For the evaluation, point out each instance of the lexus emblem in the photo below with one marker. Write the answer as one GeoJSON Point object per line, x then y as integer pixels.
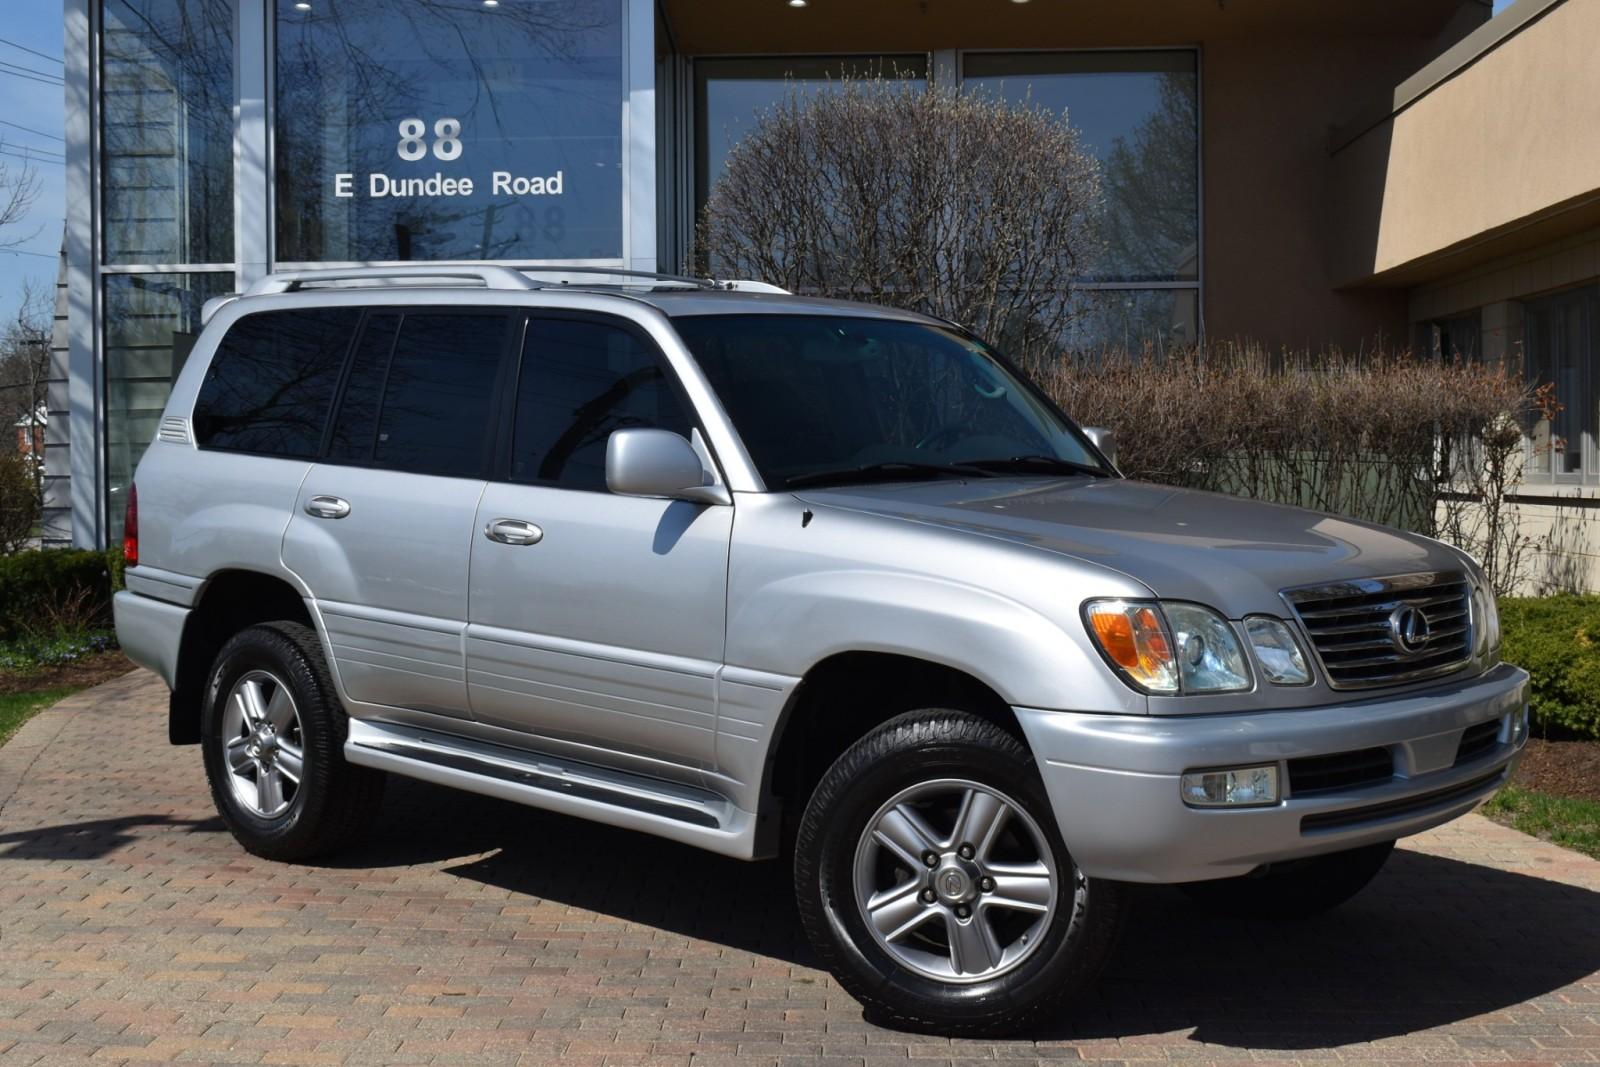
{"type": "Point", "coordinates": [1408, 628]}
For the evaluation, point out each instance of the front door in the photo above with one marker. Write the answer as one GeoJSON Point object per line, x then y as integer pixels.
{"type": "Point", "coordinates": [383, 529]}
{"type": "Point", "coordinates": [596, 619]}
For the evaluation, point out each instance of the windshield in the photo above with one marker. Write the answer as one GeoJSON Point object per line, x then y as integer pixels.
{"type": "Point", "coordinates": [822, 399]}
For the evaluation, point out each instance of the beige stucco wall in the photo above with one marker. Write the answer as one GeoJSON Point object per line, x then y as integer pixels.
{"type": "Point", "coordinates": [1269, 102]}
{"type": "Point", "coordinates": [1511, 138]}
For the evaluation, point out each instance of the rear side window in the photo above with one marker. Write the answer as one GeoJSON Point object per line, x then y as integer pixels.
{"type": "Point", "coordinates": [420, 395]}
{"type": "Point", "coordinates": [581, 381]}
{"type": "Point", "coordinates": [271, 382]}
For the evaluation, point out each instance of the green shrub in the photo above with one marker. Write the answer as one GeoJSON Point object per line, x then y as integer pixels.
{"type": "Point", "coordinates": [1557, 641]}
{"type": "Point", "coordinates": [51, 591]}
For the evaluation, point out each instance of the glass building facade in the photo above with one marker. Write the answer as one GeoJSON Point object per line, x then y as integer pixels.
{"type": "Point", "coordinates": [223, 139]}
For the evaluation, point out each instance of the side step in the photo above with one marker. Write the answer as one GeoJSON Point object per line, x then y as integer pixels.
{"type": "Point", "coordinates": [617, 798]}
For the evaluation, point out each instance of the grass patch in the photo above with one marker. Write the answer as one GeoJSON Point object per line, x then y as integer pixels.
{"type": "Point", "coordinates": [1570, 822]}
{"type": "Point", "coordinates": [18, 708]}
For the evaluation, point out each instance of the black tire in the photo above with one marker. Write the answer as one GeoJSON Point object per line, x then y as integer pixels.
{"type": "Point", "coordinates": [1298, 889]}
{"type": "Point", "coordinates": [922, 747]}
{"type": "Point", "coordinates": [333, 801]}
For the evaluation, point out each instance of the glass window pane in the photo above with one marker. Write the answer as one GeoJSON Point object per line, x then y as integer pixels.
{"type": "Point", "coordinates": [355, 431]}
{"type": "Point", "coordinates": [580, 382]}
{"type": "Point", "coordinates": [271, 382]}
{"type": "Point", "coordinates": [449, 130]}
{"type": "Point", "coordinates": [437, 383]}
{"type": "Point", "coordinates": [1562, 344]}
{"type": "Point", "coordinates": [167, 129]}
{"type": "Point", "coordinates": [1138, 113]}
{"type": "Point", "coordinates": [1133, 319]}
{"type": "Point", "coordinates": [732, 94]}
{"type": "Point", "coordinates": [151, 321]}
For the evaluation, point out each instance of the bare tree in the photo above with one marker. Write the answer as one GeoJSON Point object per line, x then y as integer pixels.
{"type": "Point", "coordinates": [930, 199]}
{"type": "Point", "coordinates": [19, 188]}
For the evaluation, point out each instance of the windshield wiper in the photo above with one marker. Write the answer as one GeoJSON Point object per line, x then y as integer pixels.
{"type": "Point", "coordinates": [1032, 464]}
{"type": "Point", "coordinates": [892, 471]}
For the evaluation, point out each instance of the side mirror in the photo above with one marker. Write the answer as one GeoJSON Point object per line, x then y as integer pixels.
{"type": "Point", "coordinates": [1105, 440]}
{"type": "Point", "coordinates": [658, 463]}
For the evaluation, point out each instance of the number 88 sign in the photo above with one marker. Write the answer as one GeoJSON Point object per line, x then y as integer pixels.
{"type": "Point", "coordinates": [446, 144]}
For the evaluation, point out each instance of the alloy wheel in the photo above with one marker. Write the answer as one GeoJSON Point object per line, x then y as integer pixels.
{"type": "Point", "coordinates": [263, 747]}
{"type": "Point", "coordinates": [955, 880]}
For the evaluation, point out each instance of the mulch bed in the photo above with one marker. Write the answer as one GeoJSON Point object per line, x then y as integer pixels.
{"type": "Point", "coordinates": [1561, 768]}
{"type": "Point", "coordinates": [91, 670]}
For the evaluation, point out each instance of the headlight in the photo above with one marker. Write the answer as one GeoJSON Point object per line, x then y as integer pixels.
{"type": "Point", "coordinates": [1169, 648]}
{"type": "Point", "coordinates": [1209, 657]}
{"type": "Point", "coordinates": [1277, 651]}
{"type": "Point", "coordinates": [1485, 620]}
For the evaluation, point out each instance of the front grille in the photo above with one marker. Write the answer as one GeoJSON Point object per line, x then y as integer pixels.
{"type": "Point", "coordinates": [1344, 770]}
{"type": "Point", "coordinates": [1356, 627]}
{"type": "Point", "coordinates": [1477, 741]}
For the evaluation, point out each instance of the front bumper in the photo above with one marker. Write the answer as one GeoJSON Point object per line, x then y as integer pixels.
{"type": "Point", "coordinates": [1113, 779]}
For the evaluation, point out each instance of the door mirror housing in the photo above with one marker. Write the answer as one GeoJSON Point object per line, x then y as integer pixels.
{"type": "Point", "coordinates": [1105, 440]}
{"type": "Point", "coordinates": [659, 463]}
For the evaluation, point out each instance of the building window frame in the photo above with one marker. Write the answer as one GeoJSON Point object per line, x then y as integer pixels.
{"type": "Point", "coordinates": [638, 131]}
{"type": "Point", "coordinates": [1198, 284]}
{"type": "Point", "coordinates": [683, 116]}
{"type": "Point", "coordinates": [1540, 467]}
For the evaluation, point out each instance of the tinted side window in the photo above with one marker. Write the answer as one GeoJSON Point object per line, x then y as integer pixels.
{"type": "Point", "coordinates": [271, 382]}
{"type": "Point", "coordinates": [582, 380]}
{"type": "Point", "coordinates": [420, 396]}
{"type": "Point", "coordinates": [355, 430]}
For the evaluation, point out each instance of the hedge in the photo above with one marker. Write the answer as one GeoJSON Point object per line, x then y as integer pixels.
{"type": "Point", "coordinates": [51, 589]}
{"type": "Point", "coordinates": [1557, 641]}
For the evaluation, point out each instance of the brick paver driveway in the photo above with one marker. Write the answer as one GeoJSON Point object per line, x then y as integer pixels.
{"type": "Point", "coordinates": [132, 927]}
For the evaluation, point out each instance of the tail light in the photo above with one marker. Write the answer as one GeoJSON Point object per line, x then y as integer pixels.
{"type": "Point", "coordinates": [130, 528]}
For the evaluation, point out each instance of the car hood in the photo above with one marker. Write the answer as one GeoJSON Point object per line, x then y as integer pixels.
{"type": "Point", "coordinates": [1228, 552]}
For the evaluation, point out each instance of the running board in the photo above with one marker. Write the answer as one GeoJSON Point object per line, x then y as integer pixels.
{"type": "Point", "coordinates": [616, 798]}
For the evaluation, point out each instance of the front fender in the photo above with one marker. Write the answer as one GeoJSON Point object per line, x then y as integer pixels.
{"type": "Point", "coordinates": [803, 589]}
{"type": "Point", "coordinates": [790, 624]}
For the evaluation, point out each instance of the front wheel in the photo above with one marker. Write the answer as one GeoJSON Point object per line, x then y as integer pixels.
{"type": "Point", "coordinates": [1298, 889]}
{"type": "Point", "coordinates": [934, 884]}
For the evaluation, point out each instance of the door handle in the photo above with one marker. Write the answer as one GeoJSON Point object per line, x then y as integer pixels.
{"type": "Point", "coordinates": [327, 507]}
{"type": "Point", "coordinates": [513, 532]}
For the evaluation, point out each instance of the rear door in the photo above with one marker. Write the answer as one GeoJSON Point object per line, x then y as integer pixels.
{"type": "Point", "coordinates": [603, 626]}
{"type": "Point", "coordinates": [258, 422]}
{"type": "Point", "coordinates": [382, 530]}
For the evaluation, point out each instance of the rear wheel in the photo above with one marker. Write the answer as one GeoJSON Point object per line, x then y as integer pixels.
{"type": "Point", "coordinates": [934, 884]}
{"type": "Point", "coordinates": [272, 739]}
{"type": "Point", "coordinates": [1298, 889]}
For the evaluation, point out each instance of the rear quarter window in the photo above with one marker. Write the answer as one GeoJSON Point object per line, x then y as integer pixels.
{"type": "Point", "coordinates": [271, 383]}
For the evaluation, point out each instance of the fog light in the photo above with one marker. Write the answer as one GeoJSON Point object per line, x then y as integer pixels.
{"type": "Point", "coordinates": [1237, 787]}
{"type": "Point", "coordinates": [1519, 727]}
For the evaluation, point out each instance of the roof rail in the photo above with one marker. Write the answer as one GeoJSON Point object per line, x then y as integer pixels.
{"type": "Point", "coordinates": [492, 277]}
{"type": "Point", "coordinates": [746, 285]}
{"type": "Point", "coordinates": [620, 272]}
{"type": "Point", "coordinates": [214, 305]}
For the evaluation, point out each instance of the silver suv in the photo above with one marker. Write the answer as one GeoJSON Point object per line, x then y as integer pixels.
{"type": "Point", "coordinates": [767, 574]}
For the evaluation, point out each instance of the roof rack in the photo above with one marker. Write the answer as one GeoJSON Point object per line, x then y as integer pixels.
{"type": "Point", "coordinates": [620, 272]}
{"type": "Point", "coordinates": [492, 277]}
